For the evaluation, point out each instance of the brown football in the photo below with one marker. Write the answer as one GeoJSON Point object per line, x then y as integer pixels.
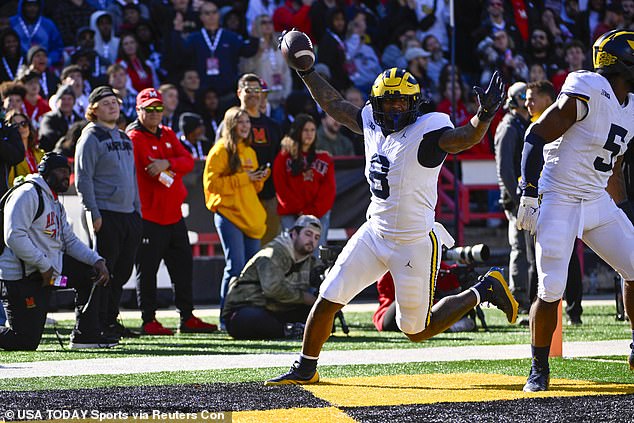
{"type": "Point", "coordinates": [297, 49]}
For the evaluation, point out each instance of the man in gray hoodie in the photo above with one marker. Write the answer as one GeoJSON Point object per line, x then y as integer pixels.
{"type": "Point", "coordinates": [105, 178]}
{"type": "Point", "coordinates": [36, 245]}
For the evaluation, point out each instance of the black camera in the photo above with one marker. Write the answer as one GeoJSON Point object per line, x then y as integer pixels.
{"type": "Point", "coordinates": [328, 255]}
{"type": "Point", "coordinates": [468, 255]}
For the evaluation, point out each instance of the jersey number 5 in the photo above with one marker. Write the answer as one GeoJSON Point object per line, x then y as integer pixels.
{"type": "Point", "coordinates": [379, 166]}
{"type": "Point", "coordinates": [612, 147]}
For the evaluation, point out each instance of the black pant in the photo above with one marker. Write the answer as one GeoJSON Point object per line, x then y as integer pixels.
{"type": "Point", "coordinates": [89, 299]}
{"type": "Point", "coordinates": [169, 243]}
{"type": "Point", "coordinates": [260, 323]}
{"type": "Point", "coordinates": [117, 242]}
{"type": "Point", "coordinates": [574, 286]}
{"type": "Point", "coordinates": [26, 304]}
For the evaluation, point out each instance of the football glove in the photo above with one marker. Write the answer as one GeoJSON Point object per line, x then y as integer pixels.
{"type": "Point", "coordinates": [527, 214]}
{"type": "Point", "coordinates": [491, 99]}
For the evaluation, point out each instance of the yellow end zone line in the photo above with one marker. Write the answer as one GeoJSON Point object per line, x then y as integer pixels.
{"type": "Point", "coordinates": [456, 387]}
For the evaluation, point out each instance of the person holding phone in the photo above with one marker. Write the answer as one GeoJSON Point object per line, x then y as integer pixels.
{"type": "Point", "coordinates": [231, 181]}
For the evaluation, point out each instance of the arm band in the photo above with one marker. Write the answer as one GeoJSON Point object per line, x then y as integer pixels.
{"type": "Point", "coordinates": [532, 162]}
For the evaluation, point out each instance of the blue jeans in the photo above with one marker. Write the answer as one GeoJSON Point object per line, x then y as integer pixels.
{"type": "Point", "coordinates": [238, 249]}
{"type": "Point", "coordinates": [288, 220]}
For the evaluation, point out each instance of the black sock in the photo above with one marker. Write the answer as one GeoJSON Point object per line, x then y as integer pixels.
{"type": "Point", "coordinates": [483, 289]}
{"type": "Point", "coordinates": [633, 339]}
{"type": "Point", "coordinates": [306, 366]}
{"type": "Point", "coordinates": [540, 357]}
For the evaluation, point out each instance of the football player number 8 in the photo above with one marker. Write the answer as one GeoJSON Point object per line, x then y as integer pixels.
{"type": "Point", "coordinates": [612, 147]}
{"type": "Point", "coordinates": [379, 166]}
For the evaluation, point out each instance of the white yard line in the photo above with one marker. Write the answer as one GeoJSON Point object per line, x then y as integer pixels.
{"type": "Point", "coordinates": [131, 365]}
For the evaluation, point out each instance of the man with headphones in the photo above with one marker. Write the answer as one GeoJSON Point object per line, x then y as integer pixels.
{"type": "Point", "coordinates": [37, 235]}
{"type": "Point", "coordinates": [508, 142]}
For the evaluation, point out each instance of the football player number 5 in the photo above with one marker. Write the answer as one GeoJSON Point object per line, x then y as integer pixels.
{"type": "Point", "coordinates": [379, 166]}
{"type": "Point", "coordinates": [612, 147]}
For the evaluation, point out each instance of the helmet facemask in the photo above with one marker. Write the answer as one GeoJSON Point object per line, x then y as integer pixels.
{"type": "Point", "coordinates": [395, 84]}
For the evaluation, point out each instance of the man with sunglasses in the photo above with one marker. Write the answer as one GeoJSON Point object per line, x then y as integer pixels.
{"type": "Point", "coordinates": [161, 162]}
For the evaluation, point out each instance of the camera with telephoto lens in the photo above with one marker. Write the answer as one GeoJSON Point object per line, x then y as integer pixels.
{"type": "Point", "coordinates": [327, 258]}
{"type": "Point", "coordinates": [468, 255]}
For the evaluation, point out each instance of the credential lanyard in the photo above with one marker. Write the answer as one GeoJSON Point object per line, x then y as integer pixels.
{"type": "Point", "coordinates": [26, 30]}
{"type": "Point", "coordinates": [212, 47]}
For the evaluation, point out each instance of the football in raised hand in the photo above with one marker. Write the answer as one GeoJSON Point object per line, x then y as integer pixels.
{"type": "Point", "coordinates": [297, 49]}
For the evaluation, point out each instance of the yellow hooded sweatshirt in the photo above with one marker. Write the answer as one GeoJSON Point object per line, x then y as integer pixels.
{"type": "Point", "coordinates": [235, 196]}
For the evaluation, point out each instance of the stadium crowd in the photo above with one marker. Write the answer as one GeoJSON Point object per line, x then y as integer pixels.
{"type": "Point", "coordinates": [202, 58]}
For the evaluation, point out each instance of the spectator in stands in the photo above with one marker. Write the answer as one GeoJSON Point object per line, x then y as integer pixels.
{"type": "Point", "coordinates": [105, 177]}
{"type": "Point", "coordinates": [457, 91]}
{"type": "Point", "coordinates": [189, 86]}
{"type": "Point", "coordinates": [231, 182]}
{"type": "Point", "coordinates": [151, 47]}
{"type": "Point", "coordinates": [273, 296]}
{"type": "Point", "coordinates": [612, 19]}
{"type": "Point", "coordinates": [73, 77]}
{"type": "Point", "coordinates": [294, 14]}
{"type": "Point", "coordinates": [363, 65]}
{"type": "Point", "coordinates": [32, 155]}
{"type": "Point", "coordinates": [269, 64]}
{"type": "Point", "coordinates": [12, 57]}
{"type": "Point", "coordinates": [37, 59]}
{"type": "Point", "coordinates": [628, 14]}
{"type": "Point", "coordinates": [330, 138]}
{"type": "Point", "coordinates": [70, 15]}
{"type": "Point", "coordinates": [106, 44]}
{"type": "Point", "coordinates": [34, 105]}
{"type": "Point", "coordinates": [119, 80]}
{"type": "Point", "coordinates": [332, 49]}
{"type": "Point", "coordinates": [425, 9]}
{"type": "Point", "coordinates": [55, 123]}
{"type": "Point", "coordinates": [540, 50]}
{"type": "Point", "coordinates": [436, 61]}
{"type": "Point", "coordinates": [318, 14]}
{"type": "Point", "coordinates": [162, 162]}
{"type": "Point", "coordinates": [557, 31]}
{"type": "Point", "coordinates": [495, 20]}
{"type": "Point", "coordinates": [398, 14]}
{"type": "Point", "coordinates": [509, 141]}
{"type": "Point", "coordinates": [356, 97]}
{"type": "Point", "coordinates": [169, 92]}
{"type": "Point", "coordinates": [498, 53]}
{"type": "Point", "coordinates": [141, 74]}
{"type": "Point", "coordinates": [192, 130]}
{"type": "Point", "coordinates": [116, 10]}
{"type": "Point", "coordinates": [393, 54]}
{"type": "Point", "coordinates": [215, 51]}
{"type": "Point", "coordinates": [417, 60]}
{"type": "Point", "coordinates": [11, 151]}
{"type": "Point", "coordinates": [575, 58]}
{"type": "Point", "coordinates": [131, 17]}
{"type": "Point", "coordinates": [33, 28]}
{"type": "Point", "coordinates": [34, 254]}
{"type": "Point", "coordinates": [13, 94]}
{"type": "Point", "coordinates": [537, 72]}
{"type": "Point", "coordinates": [304, 177]}
{"type": "Point", "coordinates": [233, 20]}
{"type": "Point", "coordinates": [95, 68]}
{"type": "Point", "coordinates": [210, 113]}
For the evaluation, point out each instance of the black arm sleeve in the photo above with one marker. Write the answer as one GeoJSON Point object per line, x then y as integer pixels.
{"type": "Point", "coordinates": [429, 152]}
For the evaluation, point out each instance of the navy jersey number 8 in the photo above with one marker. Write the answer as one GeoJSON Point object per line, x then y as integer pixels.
{"type": "Point", "coordinates": [379, 166]}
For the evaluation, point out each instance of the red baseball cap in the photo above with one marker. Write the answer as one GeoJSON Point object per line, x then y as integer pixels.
{"type": "Point", "coordinates": [147, 97]}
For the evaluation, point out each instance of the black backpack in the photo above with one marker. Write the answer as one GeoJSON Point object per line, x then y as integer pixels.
{"type": "Point", "coordinates": [3, 201]}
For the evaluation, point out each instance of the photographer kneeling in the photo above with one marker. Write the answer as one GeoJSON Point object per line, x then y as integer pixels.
{"type": "Point", "coordinates": [272, 297]}
{"type": "Point", "coordinates": [36, 235]}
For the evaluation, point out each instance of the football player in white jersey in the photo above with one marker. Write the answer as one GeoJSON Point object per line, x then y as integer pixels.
{"type": "Point", "coordinates": [404, 151]}
{"type": "Point", "coordinates": [582, 137]}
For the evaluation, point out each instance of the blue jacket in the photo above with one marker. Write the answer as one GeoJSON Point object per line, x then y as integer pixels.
{"type": "Point", "coordinates": [229, 50]}
{"type": "Point", "coordinates": [47, 34]}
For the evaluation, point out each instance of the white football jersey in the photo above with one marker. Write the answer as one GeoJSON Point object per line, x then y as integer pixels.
{"type": "Point", "coordinates": [580, 162]}
{"type": "Point", "coordinates": [403, 192]}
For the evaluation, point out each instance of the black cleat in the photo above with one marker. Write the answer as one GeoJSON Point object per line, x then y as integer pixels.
{"type": "Point", "coordinates": [538, 380]}
{"type": "Point", "coordinates": [631, 358]}
{"type": "Point", "coordinates": [294, 377]}
{"type": "Point", "coordinates": [498, 293]}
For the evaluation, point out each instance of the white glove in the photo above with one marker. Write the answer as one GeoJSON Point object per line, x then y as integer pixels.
{"type": "Point", "coordinates": [527, 214]}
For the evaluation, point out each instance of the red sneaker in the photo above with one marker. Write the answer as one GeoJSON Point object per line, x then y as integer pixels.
{"type": "Point", "coordinates": [155, 328]}
{"type": "Point", "coordinates": [195, 325]}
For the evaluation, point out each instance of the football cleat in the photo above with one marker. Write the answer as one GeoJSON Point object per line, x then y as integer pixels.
{"type": "Point", "coordinates": [538, 380]}
{"type": "Point", "coordinates": [294, 377]}
{"type": "Point", "coordinates": [498, 293]}
{"type": "Point", "coordinates": [631, 357]}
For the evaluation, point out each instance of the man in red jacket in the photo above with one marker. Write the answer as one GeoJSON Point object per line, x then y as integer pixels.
{"type": "Point", "coordinates": [161, 163]}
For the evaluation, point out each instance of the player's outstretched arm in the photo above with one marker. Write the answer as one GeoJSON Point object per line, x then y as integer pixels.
{"type": "Point", "coordinates": [466, 136]}
{"type": "Point", "coordinates": [332, 101]}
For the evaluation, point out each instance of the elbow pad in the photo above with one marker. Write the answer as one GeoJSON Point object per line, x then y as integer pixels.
{"type": "Point", "coordinates": [532, 162]}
